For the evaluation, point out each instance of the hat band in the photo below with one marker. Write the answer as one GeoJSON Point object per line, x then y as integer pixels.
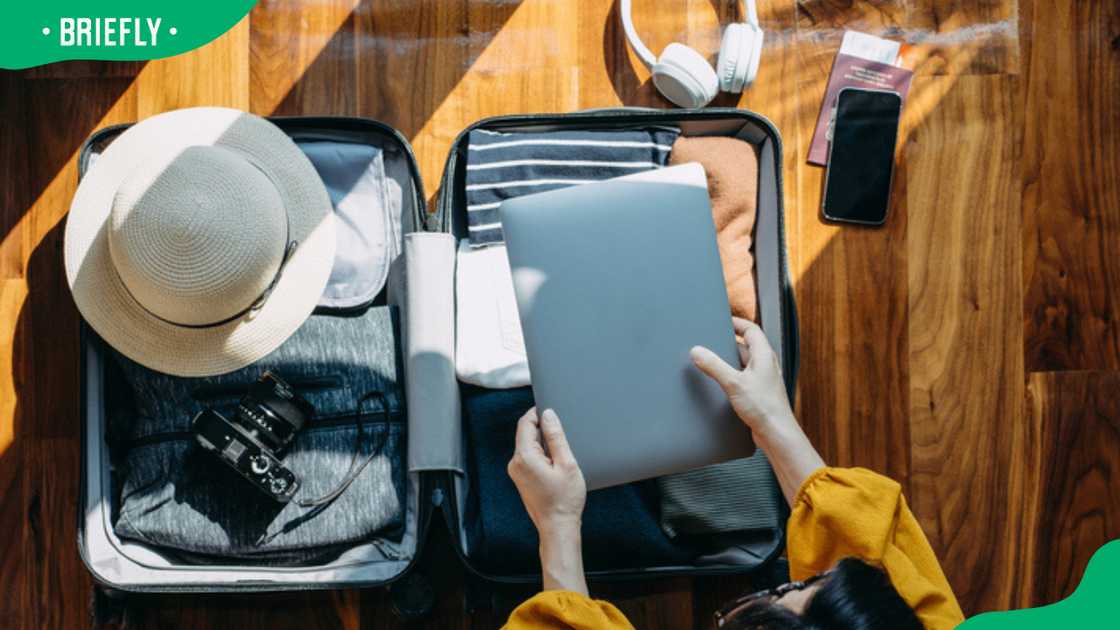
{"type": "Point", "coordinates": [256, 304]}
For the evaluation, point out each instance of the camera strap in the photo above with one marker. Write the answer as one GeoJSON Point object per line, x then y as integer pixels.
{"type": "Point", "coordinates": [355, 468]}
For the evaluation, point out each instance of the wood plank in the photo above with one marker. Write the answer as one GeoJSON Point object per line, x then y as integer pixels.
{"type": "Point", "coordinates": [500, 83]}
{"type": "Point", "coordinates": [215, 74]}
{"type": "Point", "coordinates": [955, 37]}
{"type": "Point", "coordinates": [62, 114]}
{"type": "Point", "coordinates": [1078, 415]}
{"type": "Point", "coordinates": [851, 283]}
{"type": "Point", "coordinates": [663, 603]}
{"type": "Point", "coordinates": [484, 79]}
{"type": "Point", "coordinates": [12, 366]}
{"type": "Point", "coordinates": [826, 20]}
{"type": "Point", "coordinates": [13, 346]}
{"type": "Point", "coordinates": [14, 608]}
{"type": "Point", "coordinates": [1071, 186]}
{"type": "Point", "coordinates": [57, 583]}
{"type": "Point", "coordinates": [303, 58]}
{"type": "Point", "coordinates": [458, 67]}
{"type": "Point", "coordinates": [412, 56]}
{"type": "Point", "coordinates": [277, 611]}
{"type": "Point", "coordinates": [36, 192]}
{"type": "Point", "coordinates": [14, 191]}
{"type": "Point", "coordinates": [971, 446]}
{"type": "Point", "coordinates": [85, 69]}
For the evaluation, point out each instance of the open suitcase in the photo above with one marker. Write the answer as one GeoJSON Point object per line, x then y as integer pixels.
{"type": "Point", "coordinates": [438, 463]}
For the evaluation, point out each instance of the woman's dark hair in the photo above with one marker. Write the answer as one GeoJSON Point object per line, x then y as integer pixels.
{"type": "Point", "coordinates": [854, 596]}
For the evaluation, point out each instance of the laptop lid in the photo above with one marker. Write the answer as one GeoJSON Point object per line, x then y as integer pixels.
{"type": "Point", "coordinates": [615, 282]}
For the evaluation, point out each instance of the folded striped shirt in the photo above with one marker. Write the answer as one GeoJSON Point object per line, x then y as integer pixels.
{"type": "Point", "coordinates": [506, 165]}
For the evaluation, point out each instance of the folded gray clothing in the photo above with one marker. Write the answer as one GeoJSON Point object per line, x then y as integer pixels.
{"type": "Point", "coordinates": [506, 165]}
{"type": "Point", "coordinates": [180, 497]}
{"type": "Point", "coordinates": [735, 496]}
{"type": "Point", "coordinates": [174, 494]}
{"type": "Point", "coordinates": [332, 360]}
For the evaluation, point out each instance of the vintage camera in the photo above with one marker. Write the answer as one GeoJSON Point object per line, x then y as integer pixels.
{"type": "Point", "coordinates": [264, 424]}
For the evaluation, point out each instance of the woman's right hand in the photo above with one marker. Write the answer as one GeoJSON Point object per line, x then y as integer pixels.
{"type": "Point", "coordinates": [757, 391]}
{"type": "Point", "coordinates": [758, 395]}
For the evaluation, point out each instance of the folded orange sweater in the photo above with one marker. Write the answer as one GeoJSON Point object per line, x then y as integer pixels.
{"type": "Point", "coordinates": [732, 169]}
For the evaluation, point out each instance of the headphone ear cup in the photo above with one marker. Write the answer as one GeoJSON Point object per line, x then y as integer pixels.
{"type": "Point", "coordinates": [684, 77]}
{"type": "Point", "coordinates": [732, 55]}
{"type": "Point", "coordinates": [739, 54]}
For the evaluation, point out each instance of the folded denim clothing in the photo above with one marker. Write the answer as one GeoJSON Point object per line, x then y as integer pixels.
{"type": "Point", "coordinates": [489, 347]}
{"type": "Point", "coordinates": [174, 494]}
{"type": "Point", "coordinates": [367, 207]}
{"type": "Point", "coordinates": [736, 496]}
{"type": "Point", "coordinates": [732, 169]}
{"type": "Point", "coordinates": [506, 165]}
{"type": "Point", "coordinates": [620, 524]}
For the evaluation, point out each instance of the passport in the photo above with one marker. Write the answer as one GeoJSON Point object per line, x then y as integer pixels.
{"type": "Point", "coordinates": [859, 64]}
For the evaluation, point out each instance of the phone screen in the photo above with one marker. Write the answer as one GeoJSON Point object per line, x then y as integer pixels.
{"type": "Point", "coordinates": [861, 158]}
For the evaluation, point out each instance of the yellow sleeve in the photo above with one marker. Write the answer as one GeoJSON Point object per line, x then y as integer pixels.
{"type": "Point", "coordinates": [853, 512]}
{"type": "Point", "coordinates": [560, 610]}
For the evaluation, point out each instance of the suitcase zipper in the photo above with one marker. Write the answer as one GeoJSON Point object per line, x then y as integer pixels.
{"type": "Point", "coordinates": [332, 422]}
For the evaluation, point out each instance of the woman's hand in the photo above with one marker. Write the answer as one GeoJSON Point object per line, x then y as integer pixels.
{"type": "Point", "coordinates": [757, 391]}
{"type": "Point", "coordinates": [553, 490]}
{"type": "Point", "coordinates": [758, 395]}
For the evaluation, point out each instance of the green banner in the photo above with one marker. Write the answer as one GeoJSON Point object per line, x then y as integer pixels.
{"type": "Point", "coordinates": [1090, 605]}
{"type": "Point", "coordinates": [35, 33]}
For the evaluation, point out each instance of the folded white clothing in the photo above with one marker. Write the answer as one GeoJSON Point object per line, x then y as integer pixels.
{"type": "Point", "coordinates": [489, 348]}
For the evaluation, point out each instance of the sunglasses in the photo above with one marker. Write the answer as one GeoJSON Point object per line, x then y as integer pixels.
{"type": "Point", "coordinates": [733, 608]}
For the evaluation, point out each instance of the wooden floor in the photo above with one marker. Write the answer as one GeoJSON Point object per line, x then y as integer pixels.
{"type": "Point", "coordinates": [970, 349]}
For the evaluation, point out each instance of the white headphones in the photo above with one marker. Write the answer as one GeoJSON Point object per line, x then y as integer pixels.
{"type": "Point", "coordinates": [683, 75]}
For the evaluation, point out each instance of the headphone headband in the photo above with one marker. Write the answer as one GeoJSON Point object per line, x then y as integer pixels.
{"type": "Point", "coordinates": [747, 7]}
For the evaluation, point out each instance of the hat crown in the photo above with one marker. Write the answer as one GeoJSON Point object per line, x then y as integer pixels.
{"type": "Point", "coordinates": [200, 238]}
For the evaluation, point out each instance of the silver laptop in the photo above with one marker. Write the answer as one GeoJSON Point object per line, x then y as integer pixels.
{"type": "Point", "coordinates": [615, 282]}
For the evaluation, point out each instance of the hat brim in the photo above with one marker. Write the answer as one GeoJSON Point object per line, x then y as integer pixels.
{"type": "Point", "coordinates": [122, 322]}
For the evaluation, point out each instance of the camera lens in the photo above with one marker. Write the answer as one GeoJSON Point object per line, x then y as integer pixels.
{"type": "Point", "coordinates": [260, 465]}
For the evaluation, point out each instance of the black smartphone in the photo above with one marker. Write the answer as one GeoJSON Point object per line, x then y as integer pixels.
{"type": "Point", "coordinates": [857, 181]}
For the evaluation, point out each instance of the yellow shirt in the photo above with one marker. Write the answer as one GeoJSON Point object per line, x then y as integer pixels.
{"type": "Point", "coordinates": [839, 513]}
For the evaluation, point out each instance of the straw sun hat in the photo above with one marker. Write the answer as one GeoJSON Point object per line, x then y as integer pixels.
{"type": "Point", "coordinates": [199, 241]}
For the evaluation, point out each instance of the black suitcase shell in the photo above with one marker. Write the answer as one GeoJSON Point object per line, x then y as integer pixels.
{"type": "Point", "coordinates": [439, 494]}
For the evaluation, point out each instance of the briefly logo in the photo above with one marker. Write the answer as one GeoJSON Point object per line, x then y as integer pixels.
{"type": "Point", "coordinates": [86, 32]}
{"type": "Point", "coordinates": [42, 31]}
